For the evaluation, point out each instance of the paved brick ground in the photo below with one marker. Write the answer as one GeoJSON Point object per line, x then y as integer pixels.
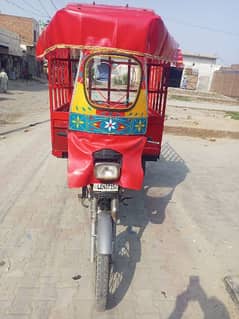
{"type": "Point", "coordinates": [167, 265]}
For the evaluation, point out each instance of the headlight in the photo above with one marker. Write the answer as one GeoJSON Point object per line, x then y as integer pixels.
{"type": "Point", "coordinates": [107, 171]}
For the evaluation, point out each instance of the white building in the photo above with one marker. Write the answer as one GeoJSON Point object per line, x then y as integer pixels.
{"type": "Point", "coordinates": [10, 43]}
{"type": "Point", "coordinates": [10, 53]}
{"type": "Point", "coordinates": [203, 66]}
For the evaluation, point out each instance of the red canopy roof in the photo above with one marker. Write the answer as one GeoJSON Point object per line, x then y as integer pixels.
{"type": "Point", "coordinates": [132, 30]}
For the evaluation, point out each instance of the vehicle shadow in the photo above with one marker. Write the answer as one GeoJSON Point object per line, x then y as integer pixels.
{"type": "Point", "coordinates": [26, 85]}
{"type": "Point", "coordinates": [146, 206]}
{"type": "Point", "coordinates": [212, 307]}
{"type": "Point", "coordinates": [127, 255]}
{"type": "Point", "coordinates": [6, 98]}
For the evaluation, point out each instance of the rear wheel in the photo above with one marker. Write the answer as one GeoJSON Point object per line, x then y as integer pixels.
{"type": "Point", "coordinates": [102, 281]}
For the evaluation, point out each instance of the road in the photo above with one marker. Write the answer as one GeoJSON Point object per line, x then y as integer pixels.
{"type": "Point", "coordinates": [25, 103]}
{"type": "Point", "coordinates": [177, 238]}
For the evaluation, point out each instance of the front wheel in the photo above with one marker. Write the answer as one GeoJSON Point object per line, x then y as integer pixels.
{"type": "Point", "coordinates": [102, 281]}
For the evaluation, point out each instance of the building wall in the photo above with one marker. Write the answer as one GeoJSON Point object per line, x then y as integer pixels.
{"type": "Point", "coordinates": [25, 27]}
{"type": "Point", "coordinates": [10, 40]}
{"type": "Point", "coordinates": [225, 81]}
{"type": "Point", "coordinates": [10, 58]}
{"type": "Point", "coordinates": [27, 30]}
{"type": "Point", "coordinates": [204, 66]}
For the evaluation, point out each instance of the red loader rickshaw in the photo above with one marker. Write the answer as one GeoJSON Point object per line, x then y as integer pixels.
{"type": "Point", "coordinates": [108, 72]}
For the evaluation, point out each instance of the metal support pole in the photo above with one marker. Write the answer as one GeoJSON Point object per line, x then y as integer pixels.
{"type": "Point", "coordinates": [93, 229]}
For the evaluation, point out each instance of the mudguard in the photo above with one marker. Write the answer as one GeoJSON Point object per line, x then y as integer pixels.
{"type": "Point", "coordinates": [81, 147]}
{"type": "Point", "coordinates": [104, 234]}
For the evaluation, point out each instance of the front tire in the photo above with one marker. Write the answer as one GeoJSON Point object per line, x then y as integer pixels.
{"type": "Point", "coordinates": [102, 281]}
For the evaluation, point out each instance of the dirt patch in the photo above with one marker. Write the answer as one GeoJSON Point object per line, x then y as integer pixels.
{"type": "Point", "coordinates": [200, 123]}
{"type": "Point", "coordinates": [187, 95]}
{"type": "Point", "coordinates": [4, 122]}
{"type": "Point", "coordinates": [23, 104]}
{"type": "Point", "coordinates": [9, 118]}
{"type": "Point", "coordinates": [199, 132]}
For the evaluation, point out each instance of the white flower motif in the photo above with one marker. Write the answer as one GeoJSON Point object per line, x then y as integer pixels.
{"type": "Point", "coordinates": [110, 125]}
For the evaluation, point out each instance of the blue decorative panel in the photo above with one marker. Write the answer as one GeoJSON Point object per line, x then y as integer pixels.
{"type": "Point", "coordinates": [108, 124]}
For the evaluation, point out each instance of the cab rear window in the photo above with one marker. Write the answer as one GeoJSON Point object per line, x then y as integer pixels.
{"type": "Point", "coordinates": [112, 82]}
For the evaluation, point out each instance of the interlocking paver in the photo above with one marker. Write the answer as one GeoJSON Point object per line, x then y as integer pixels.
{"type": "Point", "coordinates": [126, 309]}
{"type": "Point", "coordinates": [152, 315]}
{"type": "Point", "coordinates": [82, 308]}
{"type": "Point", "coordinates": [22, 303]}
{"type": "Point", "coordinates": [4, 305]}
{"type": "Point", "coordinates": [144, 301]}
{"type": "Point", "coordinates": [14, 316]}
{"type": "Point", "coordinates": [41, 309]}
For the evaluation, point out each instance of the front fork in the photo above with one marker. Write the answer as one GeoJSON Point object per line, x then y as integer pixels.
{"type": "Point", "coordinates": [93, 213]}
{"type": "Point", "coordinates": [103, 212]}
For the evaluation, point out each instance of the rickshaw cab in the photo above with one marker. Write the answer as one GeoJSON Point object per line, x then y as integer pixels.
{"type": "Point", "coordinates": [108, 72]}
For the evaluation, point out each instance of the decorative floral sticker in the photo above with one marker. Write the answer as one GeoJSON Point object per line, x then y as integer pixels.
{"type": "Point", "coordinates": [77, 121]}
{"type": "Point", "coordinates": [140, 125]}
{"type": "Point", "coordinates": [110, 125]}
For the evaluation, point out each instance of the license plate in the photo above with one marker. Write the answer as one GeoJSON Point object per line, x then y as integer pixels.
{"type": "Point", "coordinates": [105, 188]}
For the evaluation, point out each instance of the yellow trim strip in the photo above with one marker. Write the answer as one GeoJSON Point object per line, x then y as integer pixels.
{"type": "Point", "coordinates": [102, 49]}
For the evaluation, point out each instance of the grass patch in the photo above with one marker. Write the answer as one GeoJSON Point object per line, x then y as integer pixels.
{"type": "Point", "coordinates": [233, 115]}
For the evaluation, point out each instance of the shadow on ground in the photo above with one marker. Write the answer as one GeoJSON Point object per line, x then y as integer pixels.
{"type": "Point", "coordinates": [147, 206]}
{"type": "Point", "coordinates": [212, 308]}
{"type": "Point", "coordinates": [150, 206]}
{"type": "Point", "coordinates": [26, 86]}
{"type": "Point", "coordinates": [6, 97]}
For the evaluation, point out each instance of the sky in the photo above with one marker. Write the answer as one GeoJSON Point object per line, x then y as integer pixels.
{"type": "Point", "coordinates": [206, 27]}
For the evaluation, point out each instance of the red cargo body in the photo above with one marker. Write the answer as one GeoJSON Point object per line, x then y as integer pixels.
{"type": "Point", "coordinates": [60, 76]}
{"type": "Point", "coordinates": [80, 27]}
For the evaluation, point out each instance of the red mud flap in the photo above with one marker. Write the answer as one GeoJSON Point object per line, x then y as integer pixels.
{"type": "Point", "coordinates": [81, 147]}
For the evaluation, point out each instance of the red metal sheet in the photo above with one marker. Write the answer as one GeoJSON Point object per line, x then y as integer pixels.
{"type": "Point", "coordinates": [138, 31]}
